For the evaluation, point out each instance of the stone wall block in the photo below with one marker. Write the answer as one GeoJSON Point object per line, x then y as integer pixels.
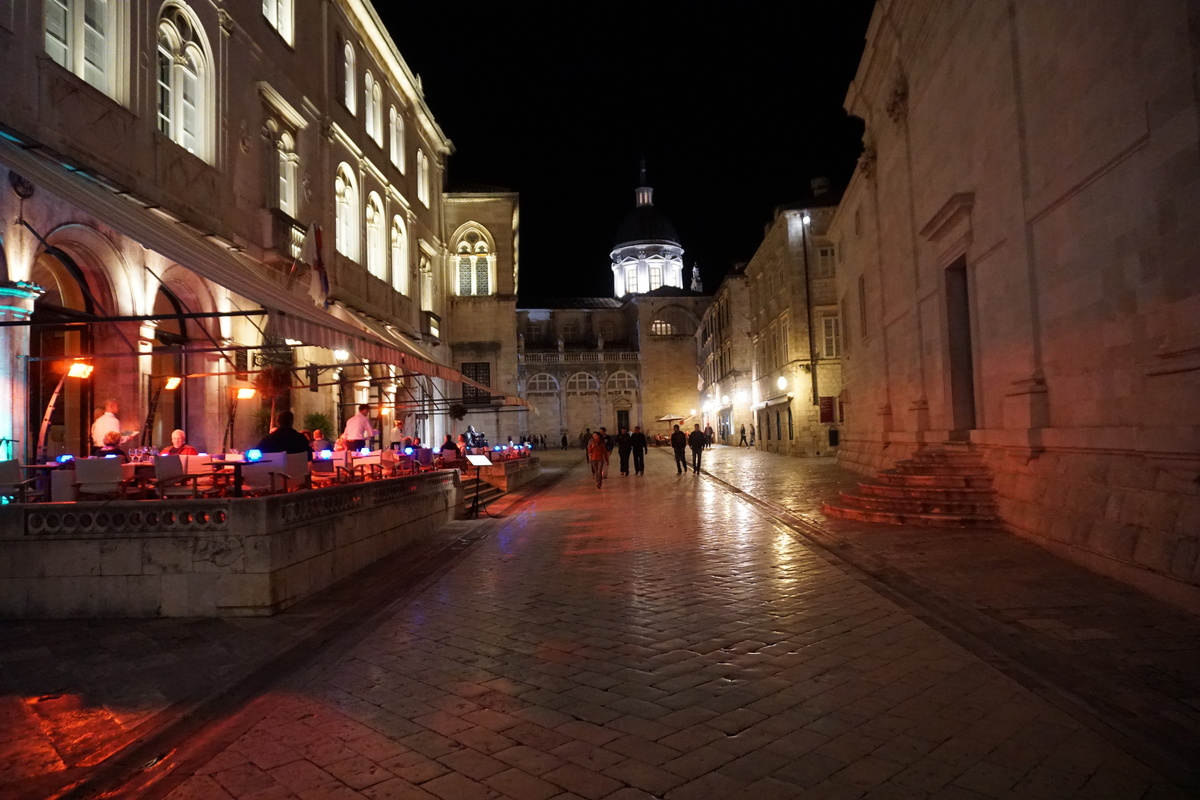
{"type": "Point", "coordinates": [1178, 481]}
{"type": "Point", "coordinates": [218, 554]}
{"type": "Point", "coordinates": [1113, 540]}
{"type": "Point", "coordinates": [141, 597]}
{"type": "Point", "coordinates": [1156, 552]}
{"type": "Point", "coordinates": [240, 595]}
{"type": "Point", "coordinates": [25, 559]}
{"type": "Point", "coordinates": [121, 557]}
{"type": "Point", "coordinates": [1187, 518]}
{"type": "Point", "coordinates": [167, 554]}
{"type": "Point", "coordinates": [74, 558]}
{"type": "Point", "coordinates": [1130, 472]}
{"type": "Point", "coordinates": [1186, 559]}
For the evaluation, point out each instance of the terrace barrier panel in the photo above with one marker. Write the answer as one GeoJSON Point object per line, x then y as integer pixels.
{"type": "Point", "coordinates": [209, 558]}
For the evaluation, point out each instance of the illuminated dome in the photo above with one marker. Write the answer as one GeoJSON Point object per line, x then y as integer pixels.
{"type": "Point", "coordinates": [646, 254]}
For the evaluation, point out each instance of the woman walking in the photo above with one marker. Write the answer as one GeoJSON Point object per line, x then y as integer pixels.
{"type": "Point", "coordinates": [597, 453]}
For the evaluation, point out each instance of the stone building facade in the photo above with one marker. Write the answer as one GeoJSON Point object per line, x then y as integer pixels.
{"type": "Point", "coordinates": [623, 360]}
{"type": "Point", "coordinates": [726, 360]}
{"type": "Point", "coordinates": [795, 332]}
{"type": "Point", "coordinates": [167, 167]}
{"type": "Point", "coordinates": [1019, 247]}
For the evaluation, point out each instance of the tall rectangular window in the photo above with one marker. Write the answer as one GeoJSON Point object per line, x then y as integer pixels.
{"type": "Point", "coordinates": [480, 372]}
{"type": "Point", "coordinates": [831, 337]}
{"type": "Point", "coordinates": [80, 35]}
{"type": "Point", "coordinates": [279, 16]}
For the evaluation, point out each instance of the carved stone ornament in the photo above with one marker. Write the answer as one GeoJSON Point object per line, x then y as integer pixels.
{"type": "Point", "coordinates": [245, 140]}
{"type": "Point", "coordinates": [897, 105]}
{"type": "Point", "coordinates": [866, 161]}
{"type": "Point", "coordinates": [225, 20]}
{"type": "Point", "coordinates": [308, 184]}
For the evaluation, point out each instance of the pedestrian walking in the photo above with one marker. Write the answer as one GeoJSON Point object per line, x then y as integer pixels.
{"type": "Point", "coordinates": [678, 444]}
{"type": "Point", "coordinates": [565, 442]}
{"type": "Point", "coordinates": [743, 433]}
{"type": "Point", "coordinates": [696, 440]}
{"type": "Point", "coordinates": [624, 449]}
{"type": "Point", "coordinates": [597, 453]}
{"type": "Point", "coordinates": [637, 441]}
{"type": "Point", "coordinates": [708, 436]}
{"type": "Point", "coordinates": [752, 435]}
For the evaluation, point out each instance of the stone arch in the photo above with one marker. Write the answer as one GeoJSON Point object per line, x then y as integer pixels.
{"type": "Point", "coordinates": [102, 269]}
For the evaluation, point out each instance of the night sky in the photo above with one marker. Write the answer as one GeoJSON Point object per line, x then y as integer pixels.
{"type": "Point", "coordinates": [734, 113]}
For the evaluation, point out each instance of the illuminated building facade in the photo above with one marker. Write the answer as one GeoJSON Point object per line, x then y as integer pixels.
{"type": "Point", "coordinates": [1019, 277]}
{"type": "Point", "coordinates": [795, 331]}
{"type": "Point", "coordinates": [726, 360]}
{"type": "Point", "coordinates": [587, 362]}
{"type": "Point", "coordinates": [166, 167]}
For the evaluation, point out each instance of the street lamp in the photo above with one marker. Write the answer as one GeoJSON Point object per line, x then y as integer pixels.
{"type": "Point", "coordinates": [76, 369]}
{"type": "Point", "coordinates": [172, 383]}
{"type": "Point", "coordinates": [241, 393]}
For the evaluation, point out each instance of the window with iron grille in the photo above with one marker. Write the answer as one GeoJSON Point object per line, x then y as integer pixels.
{"type": "Point", "coordinates": [480, 372]}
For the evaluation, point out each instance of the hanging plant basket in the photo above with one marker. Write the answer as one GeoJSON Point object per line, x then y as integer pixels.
{"type": "Point", "coordinates": [457, 411]}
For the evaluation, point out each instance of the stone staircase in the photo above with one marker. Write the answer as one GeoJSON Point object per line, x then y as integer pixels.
{"type": "Point", "coordinates": [474, 486]}
{"type": "Point", "coordinates": [937, 487]}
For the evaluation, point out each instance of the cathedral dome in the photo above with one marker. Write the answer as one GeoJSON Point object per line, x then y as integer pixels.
{"type": "Point", "coordinates": [645, 224]}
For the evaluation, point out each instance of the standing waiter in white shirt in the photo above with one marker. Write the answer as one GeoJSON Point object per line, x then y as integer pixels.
{"type": "Point", "coordinates": [108, 422]}
{"type": "Point", "coordinates": [358, 429]}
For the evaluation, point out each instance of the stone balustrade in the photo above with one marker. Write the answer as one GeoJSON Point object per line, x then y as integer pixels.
{"type": "Point", "coordinates": [206, 558]}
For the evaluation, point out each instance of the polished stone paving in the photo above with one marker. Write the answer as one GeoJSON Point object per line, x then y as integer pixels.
{"type": "Point", "coordinates": [664, 636]}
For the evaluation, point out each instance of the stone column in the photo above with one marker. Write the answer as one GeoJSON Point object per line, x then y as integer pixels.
{"type": "Point", "coordinates": [16, 305]}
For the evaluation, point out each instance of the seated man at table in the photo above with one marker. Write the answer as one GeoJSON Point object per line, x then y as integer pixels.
{"type": "Point", "coordinates": [179, 445]}
{"type": "Point", "coordinates": [285, 438]}
{"type": "Point", "coordinates": [319, 442]}
{"type": "Point", "coordinates": [450, 449]}
{"type": "Point", "coordinates": [112, 447]}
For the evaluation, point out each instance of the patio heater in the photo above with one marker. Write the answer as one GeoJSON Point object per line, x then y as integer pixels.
{"type": "Point", "coordinates": [77, 369]}
{"type": "Point", "coordinates": [235, 394]}
{"type": "Point", "coordinates": [171, 384]}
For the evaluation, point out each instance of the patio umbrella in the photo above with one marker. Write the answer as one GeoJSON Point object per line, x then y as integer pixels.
{"type": "Point", "coordinates": [672, 418]}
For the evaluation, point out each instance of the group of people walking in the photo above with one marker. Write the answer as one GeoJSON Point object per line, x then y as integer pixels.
{"type": "Point", "coordinates": [628, 444]}
{"type": "Point", "coordinates": [633, 444]}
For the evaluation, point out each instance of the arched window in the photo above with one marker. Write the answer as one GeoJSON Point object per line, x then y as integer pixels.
{"type": "Point", "coordinates": [662, 328]}
{"type": "Point", "coordinates": [542, 383]}
{"type": "Point", "coordinates": [376, 237]}
{"type": "Point", "coordinates": [656, 273]}
{"type": "Point", "coordinates": [583, 382]}
{"type": "Point", "coordinates": [83, 36]}
{"type": "Point", "coordinates": [423, 188]}
{"type": "Point", "coordinates": [287, 161]}
{"type": "Point", "coordinates": [622, 382]}
{"type": "Point", "coordinates": [474, 265]}
{"type": "Point", "coordinates": [376, 127]}
{"type": "Point", "coordinates": [348, 93]}
{"type": "Point", "coordinates": [399, 257]}
{"type": "Point", "coordinates": [185, 107]}
{"type": "Point", "coordinates": [396, 142]}
{"type": "Point", "coordinates": [345, 194]}
{"type": "Point", "coordinates": [368, 106]}
{"type": "Point", "coordinates": [279, 15]}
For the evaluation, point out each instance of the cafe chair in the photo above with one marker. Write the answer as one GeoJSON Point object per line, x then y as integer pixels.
{"type": "Point", "coordinates": [16, 487]}
{"type": "Point", "coordinates": [172, 480]}
{"type": "Point", "coordinates": [100, 478]}
{"type": "Point", "coordinates": [259, 478]}
{"type": "Point", "coordinates": [295, 475]}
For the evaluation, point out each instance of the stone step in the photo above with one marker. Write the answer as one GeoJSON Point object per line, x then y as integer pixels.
{"type": "Point", "coordinates": [892, 477]}
{"type": "Point", "coordinates": [910, 467]}
{"type": "Point", "coordinates": [933, 492]}
{"type": "Point", "coordinates": [940, 456]}
{"type": "Point", "coordinates": [910, 518]}
{"type": "Point", "coordinates": [982, 507]}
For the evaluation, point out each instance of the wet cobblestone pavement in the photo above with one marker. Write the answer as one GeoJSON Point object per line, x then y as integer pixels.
{"type": "Point", "coordinates": [664, 636]}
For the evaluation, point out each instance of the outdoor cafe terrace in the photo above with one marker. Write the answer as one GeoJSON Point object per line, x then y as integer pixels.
{"type": "Point", "coordinates": [230, 535]}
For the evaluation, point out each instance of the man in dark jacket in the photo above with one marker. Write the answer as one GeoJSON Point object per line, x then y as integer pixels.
{"type": "Point", "coordinates": [678, 443]}
{"type": "Point", "coordinates": [624, 448]}
{"type": "Point", "coordinates": [285, 438]}
{"type": "Point", "coordinates": [696, 440]}
{"type": "Point", "coordinates": [637, 441]}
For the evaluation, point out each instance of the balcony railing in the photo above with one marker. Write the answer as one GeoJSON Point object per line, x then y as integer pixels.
{"type": "Point", "coordinates": [596, 357]}
{"type": "Point", "coordinates": [287, 235]}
